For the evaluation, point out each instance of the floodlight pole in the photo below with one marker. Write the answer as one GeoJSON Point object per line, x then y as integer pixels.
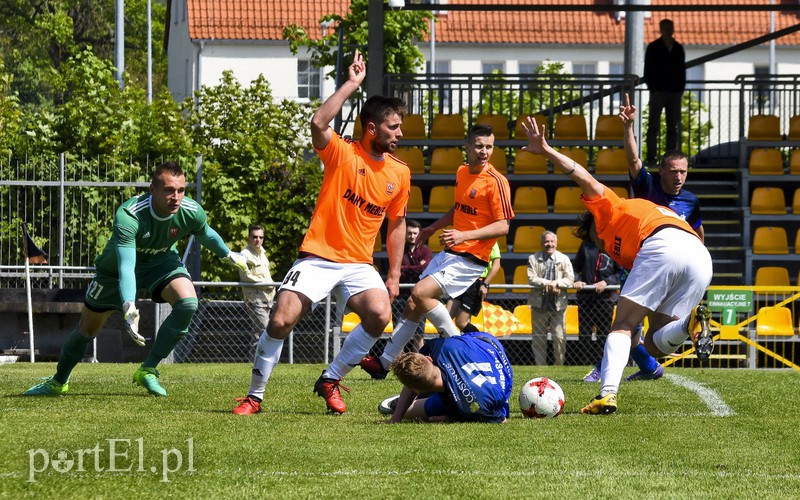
{"type": "Point", "coordinates": [119, 41]}
{"type": "Point", "coordinates": [375, 78]}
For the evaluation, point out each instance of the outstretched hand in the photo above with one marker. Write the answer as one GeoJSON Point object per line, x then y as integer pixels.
{"type": "Point", "coordinates": [358, 70]}
{"type": "Point", "coordinates": [536, 139]}
{"type": "Point", "coordinates": [627, 112]}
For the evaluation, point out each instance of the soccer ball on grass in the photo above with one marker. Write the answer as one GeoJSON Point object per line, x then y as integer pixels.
{"type": "Point", "coordinates": [541, 398]}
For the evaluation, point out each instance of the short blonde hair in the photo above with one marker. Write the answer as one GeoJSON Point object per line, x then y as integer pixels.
{"type": "Point", "coordinates": [415, 371]}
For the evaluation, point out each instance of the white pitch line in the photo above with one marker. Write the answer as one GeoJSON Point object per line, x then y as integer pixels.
{"type": "Point", "coordinates": [708, 396]}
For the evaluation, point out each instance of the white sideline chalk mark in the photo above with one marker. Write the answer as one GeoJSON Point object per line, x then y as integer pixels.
{"type": "Point", "coordinates": [708, 396]}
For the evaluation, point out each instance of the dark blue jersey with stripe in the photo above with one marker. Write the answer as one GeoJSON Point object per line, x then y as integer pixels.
{"type": "Point", "coordinates": [477, 376]}
{"type": "Point", "coordinates": [685, 203]}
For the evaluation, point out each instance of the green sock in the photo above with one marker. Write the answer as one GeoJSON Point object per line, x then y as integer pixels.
{"type": "Point", "coordinates": [72, 352]}
{"type": "Point", "coordinates": [172, 331]}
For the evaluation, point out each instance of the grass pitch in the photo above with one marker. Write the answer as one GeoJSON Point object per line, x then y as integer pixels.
{"type": "Point", "coordinates": [694, 434]}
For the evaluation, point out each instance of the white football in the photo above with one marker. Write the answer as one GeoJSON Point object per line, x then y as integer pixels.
{"type": "Point", "coordinates": [541, 398]}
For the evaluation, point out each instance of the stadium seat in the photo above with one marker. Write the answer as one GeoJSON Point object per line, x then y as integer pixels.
{"type": "Point", "coordinates": [528, 239]}
{"type": "Point", "coordinates": [357, 128]}
{"type": "Point", "coordinates": [442, 199]}
{"type": "Point", "coordinates": [611, 161]}
{"type": "Point", "coordinates": [764, 128]}
{"type": "Point", "coordinates": [448, 127]}
{"type": "Point", "coordinates": [502, 243]}
{"type": "Point", "coordinates": [523, 314]}
{"type": "Point", "coordinates": [796, 202]}
{"type": "Point", "coordinates": [768, 201]}
{"type": "Point", "coordinates": [772, 276]}
{"type": "Point", "coordinates": [378, 243]}
{"type": "Point", "coordinates": [608, 128]}
{"type": "Point", "coordinates": [620, 191]}
{"type": "Point", "coordinates": [519, 132]}
{"type": "Point", "coordinates": [797, 242]}
{"type": "Point", "coordinates": [413, 127]}
{"type": "Point", "coordinates": [530, 200]}
{"type": "Point", "coordinates": [498, 160]}
{"type": "Point", "coordinates": [567, 242]}
{"type": "Point", "coordinates": [499, 124]}
{"type": "Point", "coordinates": [570, 128]}
{"type": "Point", "coordinates": [351, 320]}
{"type": "Point", "coordinates": [765, 161]}
{"type": "Point", "coordinates": [770, 240]}
{"type": "Point", "coordinates": [794, 128]}
{"type": "Point", "coordinates": [571, 320]}
{"type": "Point", "coordinates": [433, 241]}
{"type": "Point", "coordinates": [477, 321]}
{"type": "Point", "coordinates": [529, 163]}
{"type": "Point", "coordinates": [794, 162]}
{"type": "Point", "coordinates": [577, 154]}
{"type": "Point", "coordinates": [412, 157]}
{"type": "Point", "coordinates": [774, 320]}
{"type": "Point", "coordinates": [499, 279]}
{"type": "Point", "coordinates": [520, 278]}
{"type": "Point", "coordinates": [446, 160]}
{"type": "Point", "coordinates": [568, 200]}
{"type": "Point", "coordinates": [415, 200]}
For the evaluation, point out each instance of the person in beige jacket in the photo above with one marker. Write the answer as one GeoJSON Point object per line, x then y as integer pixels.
{"type": "Point", "coordinates": [552, 271]}
{"type": "Point", "coordinates": [258, 299]}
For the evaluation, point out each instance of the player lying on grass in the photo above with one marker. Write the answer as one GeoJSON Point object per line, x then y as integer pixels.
{"type": "Point", "coordinates": [670, 269]}
{"type": "Point", "coordinates": [467, 378]}
{"type": "Point", "coordinates": [141, 254]}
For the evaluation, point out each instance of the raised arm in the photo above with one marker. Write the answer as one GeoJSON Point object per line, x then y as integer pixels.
{"type": "Point", "coordinates": [591, 187]}
{"type": "Point", "coordinates": [627, 114]}
{"type": "Point", "coordinates": [321, 131]}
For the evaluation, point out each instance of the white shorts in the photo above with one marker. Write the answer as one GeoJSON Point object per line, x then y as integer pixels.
{"type": "Point", "coordinates": [453, 273]}
{"type": "Point", "coordinates": [670, 273]}
{"type": "Point", "coordinates": [316, 278]}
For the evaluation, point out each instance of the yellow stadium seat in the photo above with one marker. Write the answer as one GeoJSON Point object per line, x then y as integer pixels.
{"type": "Point", "coordinates": [774, 320]}
{"type": "Point", "coordinates": [521, 278]}
{"type": "Point", "coordinates": [351, 320]}
{"type": "Point", "coordinates": [797, 242]}
{"type": "Point", "coordinates": [415, 200]}
{"type": "Point", "coordinates": [433, 241]}
{"type": "Point", "coordinates": [577, 154]}
{"type": "Point", "coordinates": [530, 200]}
{"type": "Point", "coordinates": [794, 128]}
{"type": "Point", "coordinates": [611, 161]}
{"type": "Point", "coordinates": [796, 202]}
{"type": "Point", "coordinates": [448, 127]}
{"type": "Point", "coordinates": [477, 320]}
{"type": "Point", "coordinates": [378, 243]}
{"type": "Point", "coordinates": [571, 320]}
{"type": "Point", "coordinates": [498, 160]}
{"type": "Point", "coordinates": [519, 132]}
{"type": "Point", "coordinates": [442, 199]}
{"type": "Point", "coordinates": [499, 279]}
{"type": "Point", "coordinates": [620, 191]}
{"type": "Point", "coordinates": [499, 124]}
{"type": "Point", "coordinates": [412, 157]}
{"type": "Point", "coordinates": [413, 127]}
{"type": "Point", "coordinates": [567, 242]}
{"type": "Point", "coordinates": [794, 162]}
{"type": "Point", "coordinates": [608, 128]}
{"type": "Point", "coordinates": [764, 128]}
{"type": "Point", "coordinates": [568, 200]}
{"type": "Point", "coordinates": [770, 240]}
{"type": "Point", "coordinates": [429, 328]}
{"type": "Point", "coordinates": [526, 162]}
{"type": "Point", "coordinates": [765, 161]}
{"type": "Point", "coordinates": [446, 160]}
{"type": "Point", "coordinates": [528, 239]}
{"type": "Point", "coordinates": [772, 276]}
{"type": "Point", "coordinates": [357, 128]}
{"type": "Point", "coordinates": [502, 243]}
{"type": "Point", "coordinates": [768, 201]}
{"type": "Point", "coordinates": [570, 128]}
{"type": "Point", "coordinates": [523, 314]}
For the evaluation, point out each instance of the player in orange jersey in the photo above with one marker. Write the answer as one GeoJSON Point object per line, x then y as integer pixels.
{"type": "Point", "coordinates": [663, 285]}
{"type": "Point", "coordinates": [363, 184]}
{"type": "Point", "coordinates": [480, 215]}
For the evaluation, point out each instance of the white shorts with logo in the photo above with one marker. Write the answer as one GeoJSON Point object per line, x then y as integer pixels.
{"type": "Point", "coordinates": [453, 273]}
{"type": "Point", "coordinates": [316, 278]}
{"type": "Point", "coordinates": [670, 273]}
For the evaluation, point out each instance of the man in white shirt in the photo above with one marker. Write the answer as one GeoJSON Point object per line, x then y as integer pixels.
{"type": "Point", "coordinates": [257, 298]}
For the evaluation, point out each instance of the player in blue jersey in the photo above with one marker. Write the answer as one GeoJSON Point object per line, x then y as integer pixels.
{"type": "Point", "coordinates": [463, 379]}
{"type": "Point", "coordinates": [666, 189]}
{"type": "Point", "coordinates": [141, 255]}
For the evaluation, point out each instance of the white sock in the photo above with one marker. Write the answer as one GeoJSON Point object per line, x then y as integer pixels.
{"type": "Point", "coordinates": [671, 336]}
{"type": "Point", "coordinates": [403, 331]}
{"type": "Point", "coordinates": [355, 346]}
{"type": "Point", "coordinates": [268, 354]}
{"type": "Point", "coordinates": [440, 318]}
{"type": "Point", "coordinates": [615, 357]}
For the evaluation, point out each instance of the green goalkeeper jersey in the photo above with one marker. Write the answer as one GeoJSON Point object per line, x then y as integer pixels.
{"type": "Point", "coordinates": [141, 239]}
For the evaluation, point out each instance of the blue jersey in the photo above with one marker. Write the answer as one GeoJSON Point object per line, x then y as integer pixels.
{"type": "Point", "coordinates": [477, 376]}
{"type": "Point", "coordinates": [685, 203]}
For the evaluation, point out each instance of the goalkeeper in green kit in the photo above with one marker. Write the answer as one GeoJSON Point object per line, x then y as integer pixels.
{"type": "Point", "coordinates": [142, 254]}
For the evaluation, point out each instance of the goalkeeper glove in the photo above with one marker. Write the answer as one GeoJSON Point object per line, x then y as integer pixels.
{"type": "Point", "coordinates": [131, 316]}
{"type": "Point", "coordinates": [240, 261]}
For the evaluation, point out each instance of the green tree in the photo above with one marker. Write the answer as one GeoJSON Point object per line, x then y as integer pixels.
{"type": "Point", "coordinates": [9, 114]}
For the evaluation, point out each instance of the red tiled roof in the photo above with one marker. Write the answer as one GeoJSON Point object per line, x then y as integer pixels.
{"type": "Point", "coordinates": [265, 20]}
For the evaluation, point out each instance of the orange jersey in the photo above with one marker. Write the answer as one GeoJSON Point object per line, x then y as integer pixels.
{"type": "Point", "coordinates": [624, 224]}
{"type": "Point", "coordinates": [357, 192]}
{"type": "Point", "coordinates": [480, 199]}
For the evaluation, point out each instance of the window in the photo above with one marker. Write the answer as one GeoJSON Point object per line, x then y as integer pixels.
{"type": "Point", "coordinates": [488, 68]}
{"type": "Point", "coordinates": [528, 68]}
{"type": "Point", "coordinates": [442, 67]}
{"type": "Point", "coordinates": [584, 69]}
{"type": "Point", "coordinates": [616, 68]}
{"type": "Point", "coordinates": [308, 86]}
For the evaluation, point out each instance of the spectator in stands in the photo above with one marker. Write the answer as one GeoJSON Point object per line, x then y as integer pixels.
{"type": "Point", "coordinates": [665, 75]}
{"type": "Point", "coordinates": [597, 270]}
{"type": "Point", "coordinates": [469, 303]}
{"type": "Point", "coordinates": [670, 269]}
{"type": "Point", "coordinates": [258, 299]}
{"type": "Point", "coordinates": [552, 272]}
{"type": "Point", "coordinates": [416, 257]}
